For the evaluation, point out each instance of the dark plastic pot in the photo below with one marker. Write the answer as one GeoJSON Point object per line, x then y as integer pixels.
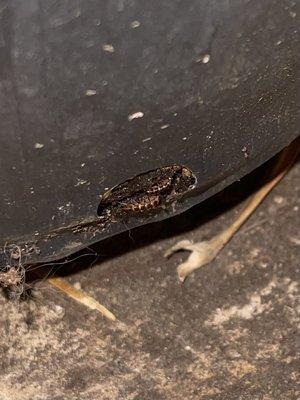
{"type": "Point", "coordinates": [95, 93]}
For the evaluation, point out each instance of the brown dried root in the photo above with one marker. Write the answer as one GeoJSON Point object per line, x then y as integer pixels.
{"type": "Point", "coordinates": [204, 252]}
{"type": "Point", "coordinates": [81, 297]}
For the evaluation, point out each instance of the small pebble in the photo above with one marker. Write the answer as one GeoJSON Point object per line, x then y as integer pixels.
{"type": "Point", "coordinates": [263, 265]}
{"type": "Point", "coordinates": [278, 200]}
{"type": "Point", "coordinates": [60, 311]}
{"type": "Point", "coordinates": [295, 240]}
{"type": "Point", "coordinates": [77, 285]}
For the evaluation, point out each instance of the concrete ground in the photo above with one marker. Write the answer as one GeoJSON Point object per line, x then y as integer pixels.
{"type": "Point", "coordinates": [228, 333]}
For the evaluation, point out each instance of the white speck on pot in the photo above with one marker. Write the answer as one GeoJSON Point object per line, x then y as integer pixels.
{"type": "Point", "coordinates": [38, 145]}
{"type": "Point", "coordinates": [165, 126]}
{"type": "Point", "coordinates": [109, 48]}
{"type": "Point", "coordinates": [66, 208]}
{"type": "Point", "coordinates": [138, 114]}
{"type": "Point", "coordinates": [200, 100]}
{"type": "Point", "coordinates": [244, 150]}
{"type": "Point", "coordinates": [81, 182]}
{"type": "Point", "coordinates": [135, 24]}
{"type": "Point", "coordinates": [293, 14]}
{"type": "Point", "coordinates": [90, 92]}
{"type": "Point", "coordinates": [147, 139]}
{"type": "Point", "coordinates": [77, 12]}
{"type": "Point", "coordinates": [184, 138]}
{"type": "Point", "coordinates": [82, 165]}
{"type": "Point", "coordinates": [205, 59]}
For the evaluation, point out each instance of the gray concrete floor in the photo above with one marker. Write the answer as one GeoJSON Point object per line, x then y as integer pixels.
{"type": "Point", "coordinates": [229, 332]}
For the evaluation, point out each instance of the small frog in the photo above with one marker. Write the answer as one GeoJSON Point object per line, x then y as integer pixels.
{"type": "Point", "coordinates": [147, 191]}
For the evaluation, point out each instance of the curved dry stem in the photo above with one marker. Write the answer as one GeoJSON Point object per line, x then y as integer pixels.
{"type": "Point", "coordinates": [203, 253]}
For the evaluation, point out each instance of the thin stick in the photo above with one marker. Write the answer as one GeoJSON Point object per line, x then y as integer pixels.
{"type": "Point", "coordinates": [286, 160]}
{"type": "Point", "coordinates": [80, 296]}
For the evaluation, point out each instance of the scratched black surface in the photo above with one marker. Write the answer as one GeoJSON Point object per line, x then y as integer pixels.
{"type": "Point", "coordinates": [60, 149]}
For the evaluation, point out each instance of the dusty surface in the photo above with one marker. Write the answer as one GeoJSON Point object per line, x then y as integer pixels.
{"type": "Point", "coordinates": [229, 332]}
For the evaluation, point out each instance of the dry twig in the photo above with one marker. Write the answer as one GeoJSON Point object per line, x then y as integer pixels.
{"type": "Point", "coordinates": [80, 296]}
{"type": "Point", "coordinates": [204, 252]}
